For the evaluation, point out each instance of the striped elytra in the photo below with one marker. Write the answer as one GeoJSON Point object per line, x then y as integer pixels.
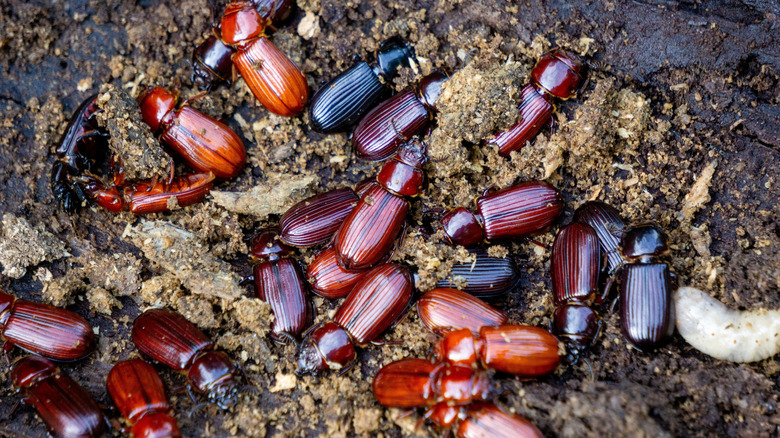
{"type": "Point", "coordinates": [139, 394]}
{"type": "Point", "coordinates": [485, 277]}
{"type": "Point", "coordinates": [392, 122]}
{"type": "Point", "coordinates": [328, 279]}
{"type": "Point", "coordinates": [535, 112]}
{"type": "Point", "coordinates": [609, 226]}
{"type": "Point", "coordinates": [371, 229]}
{"type": "Point", "coordinates": [157, 196]}
{"type": "Point", "coordinates": [273, 78]}
{"type": "Point", "coordinates": [444, 309]}
{"type": "Point", "coordinates": [520, 210]}
{"type": "Point", "coordinates": [646, 306]}
{"type": "Point", "coordinates": [280, 284]}
{"type": "Point", "coordinates": [314, 220]}
{"type": "Point", "coordinates": [376, 302]}
{"type": "Point", "coordinates": [340, 103]}
{"type": "Point", "coordinates": [405, 383]}
{"type": "Point", "coordinates": [66, 408]}
{"type": "Point", "coordinates": [485, 420]}
{"type": "Point", "coordinates": [169, 338]}
{"type": "Point", "coordinates": [43, 329]}
{"type": "Point", "coordinates": [576, 263]}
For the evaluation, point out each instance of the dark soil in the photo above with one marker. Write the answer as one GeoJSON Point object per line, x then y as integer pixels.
{"type": "Point", "coordinates": [679, 124]}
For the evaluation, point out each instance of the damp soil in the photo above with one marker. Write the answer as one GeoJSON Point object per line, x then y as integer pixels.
{"type": "Point", "coordinates": [678, 124]}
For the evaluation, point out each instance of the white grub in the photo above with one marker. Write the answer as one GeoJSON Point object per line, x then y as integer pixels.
{"type": "Point", "coordinates": [726, 334]}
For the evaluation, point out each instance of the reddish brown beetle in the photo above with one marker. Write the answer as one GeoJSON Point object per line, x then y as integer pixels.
{"type": "Point", "coordinates": [397, 119]}
{"type": "Point", "coordinates": [274, 80]}
{"type": "Point", "coordinates": [328, 279]}
{"type": "Point", "coordinates": [50, 331]}
{"type": "Point", "coordinates": [204, 143]}
{"type": "Point", "coordinates": [510, 213]}
{"type": "Point", "coordinates": [375, 303]}
{"type": "Point", "coordinates": [139, 394]}
{"type": "Point", "coordinates": [608, 225]}
{"type": "Point", "coordinates": [486, 420]}
{"type": "Point", "coordinates": [444, 309]}
{"type": "Point", "coordinates": [372, 228]}
{"type": "Point", "coordinates": [67, 409]}
{"type": "Point", "coordinates": [520, 350]}
{"type": "Point", "coordinates": [167, 337]}
{"type": "Point", "coordinates": [314, 220]}
{"type": "Point", "coordinates": [557, 74]}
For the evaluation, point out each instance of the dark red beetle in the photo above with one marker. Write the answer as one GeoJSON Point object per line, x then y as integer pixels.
{"type": "Point", "coordinates": [204, 143]}
{"type": "Point", "coordinates": [314, 220]}
{"type": "Point", "coordinates": [273, 78]}
{"type": "Point", "coordinates": [520, 350]}
{"type": "Point", "coordinates": [328, 279]}
{"type": "Point", "coordinates": [608, 225]}
{"type": "Point", "coordinates": [397, 119]}
{"type": "Point", "coordinates": [368, 234]}
{"type": "Point", "coordinates": [279, 282]}
{"type": "Point", "coordinates": [139, 394]}
{"type": "Point", "coordinates": [575, 266]}
{"type": "Point", "coordinates": [444, 309]}
{"type": "Point", "coordinates": [557, 75]}
{"type": "Point", "coordinates": [67, 409]}
{"type": "Point", "coordinates": [486, 420]}
{"type": "Point", "coordinates": [167, 337]}
{"type": "Point", "coordinates": [375, 303]}
{"type": "Point", "coordinates": [415, 383]}
{"type": "Point", "coordinates": [516, 211]}
{"type": "Point", "coordinates": [486, 277]}
{"type": "Point", "coordinates": [646, 302]}
{"type": "Point", "coordinates": [50, 331]}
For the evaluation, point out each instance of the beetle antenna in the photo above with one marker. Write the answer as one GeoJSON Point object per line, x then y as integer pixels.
{"type": "Point", "coordinates": [197, 408]}
{"type": "Point", "coordinates": [590, 368]}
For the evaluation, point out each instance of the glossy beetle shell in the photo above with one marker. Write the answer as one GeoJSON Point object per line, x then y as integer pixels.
{"type": "Point", "coordinates": [342, 101]}
{"type": "Point", "coordinates": [266, 244]}
{"type": "Point", "coordinates": [485, 420]}
{"type": "Point", "coordinates": [273, 78]}
{"type": "Point", "coordinates": [65, 407]}
{"type": "Point", "coordinates": [486, 277]}
{"type": "Point", "coordinates": [169, 338]}
{"type": "Point", "coordinates": [375, 303]}
{"type": "Point", "coordinates": [578, 326]}
{"type": "Point", "coordinates": [392, 122]}
{"type": "Point", "coordinates": [139, 394]}
{"type": "Point", "coordinates": [46, 330]}
{"type": "Point", "coordinates": [145, 197]}
{"type": "Point", "coordinates": [609, 226]}
{"type": "Point", "coordinates": [371, 229]}
{"type": "Point", "coordinates": [280, 284]}
{"type": "Point", "coordinates": [535, 112]}
{"type": "Point", "coordinates": [214, 374]}
{"type": "Point", "coordinates": [445, 309]}
{"type": "Point", "coordinates": [314, 220]}
{"type": "Point", "coordinates": [559, 73]}
{"type": "Point", "coordinates": [646, 305]}
{"type": "Point", "coordinates": [576, 263]}
{"type": "Point", "coordinates": [328, 279]}
{"type": "Point", "coordinates": [643, 242]}
{"type": "Point", "coordinates": [401, 179]}
{"type": "Point", "coordinates": [461, 227]}
{"type": "Point", "coordinates": [520, 210]}
{"type": "Point", "coordinates": [211, 63]}
{"type": "Point", "coordinates": [328, 346]}
{"type": "Point", "coordinates": [241, 23]}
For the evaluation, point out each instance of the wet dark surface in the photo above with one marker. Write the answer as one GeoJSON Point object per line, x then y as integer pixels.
{"type": "Point", "coordinates": [707, 69]}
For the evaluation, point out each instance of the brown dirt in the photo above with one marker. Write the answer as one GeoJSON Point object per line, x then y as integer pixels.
{"type": "Point", "coordinates": [679, 125]}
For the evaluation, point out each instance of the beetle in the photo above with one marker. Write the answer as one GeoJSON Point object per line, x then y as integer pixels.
{"type": "Point", "coordinates": [557, 75]}
{"type": "Point", "coordinates": [415, 383]}
{"type": "Point", "coordinates": [315, 219]}
{"type": "Point", "coordinates": [521, 350]}
{"type": "Point", "coordinates": [139, 394]}
{"type": "Point", "coordinates": [43, 329]}
{"type": "Point", "coordinates": [575, 266]}
{"type": "Point", "coordinates": [486, 277]}
{"type": "Point", "coordinates": [169, 338]}
{"type": "Point", "coordinates": [368, 234]}
{"type": "Point", "coordinates": [279, 282]}
{"type": "Point", "coordinates": [204, 143]}
{"type": "Point", "coordinates": [608, 225]}
{"type": "Point", "coordinates": [342, 101]}
{"type": "Point", "coordinates": [328, 279]}
{"type": "Point", "coordinates": [444, 309]}
{"type": "Point", "coordinates": [487, 420]}
{"type": "Point", "coordinates": [646, 302]}
{"type": "Point", "coordinates": [211, 61]}
{"type": "Point", "coordinates": [273, 78]}
{"type": "Point", "coordinates": [510, 213]}
{"type": "Point", "coordinates": [375, 303]}
{"type": "Point", "coordinates": [397, 119]}
{"type": "Point", "coordinates": [65, 407]}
